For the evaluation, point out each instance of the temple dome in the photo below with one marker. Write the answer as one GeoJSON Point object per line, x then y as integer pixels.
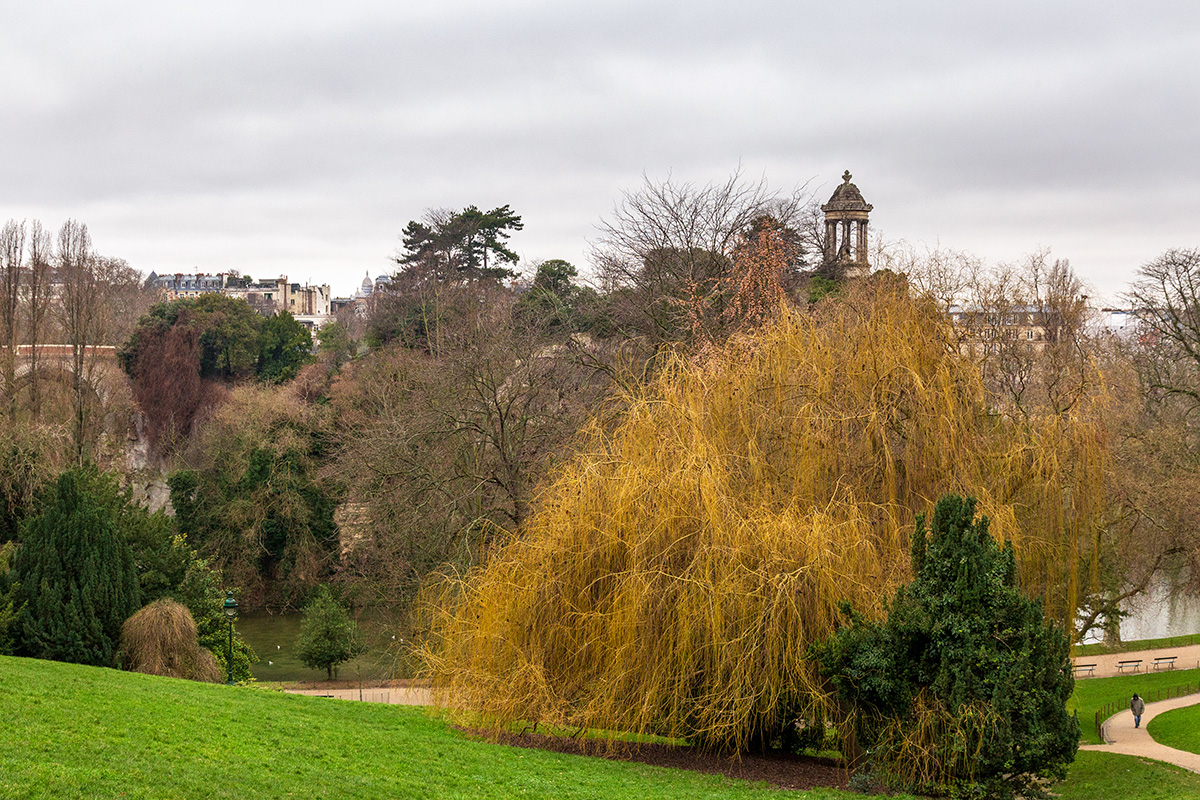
{"type": "Point", "coordinates": [846, 197]}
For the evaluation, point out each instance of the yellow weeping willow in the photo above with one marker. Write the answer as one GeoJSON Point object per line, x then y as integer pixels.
{"type": "Point", "coordinates": [677, 570]}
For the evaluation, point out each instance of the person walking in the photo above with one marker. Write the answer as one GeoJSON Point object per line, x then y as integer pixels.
{"type": "Point", "coordinates": [1138, 707]}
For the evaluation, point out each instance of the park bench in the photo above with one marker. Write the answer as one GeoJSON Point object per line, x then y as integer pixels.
{"type": "Point", "coordinates": [1089, 668]}
{"type": "Point", "coordinates": [1164, 662]}
{"type": "Point", "coordinates": [1134, 664]}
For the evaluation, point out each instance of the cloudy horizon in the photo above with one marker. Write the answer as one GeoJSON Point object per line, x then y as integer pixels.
{"type": "Point", "coordinates": [300, 138]}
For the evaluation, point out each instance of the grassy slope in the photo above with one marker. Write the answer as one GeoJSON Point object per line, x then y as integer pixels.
{"type": "Point", "coordinates": [69, 731]}
{"type": "Point", "coordinates": [1179, 728]}
{"type": "Point", "coordinates": [1091, 693]}
{"type": "Point", "coordinates": [1108, 776]}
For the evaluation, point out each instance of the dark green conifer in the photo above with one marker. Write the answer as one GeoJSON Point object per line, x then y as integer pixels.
{"type": "Point", "coordinates": [963, 689]}
{"type": "Point", "coordinates": [75, 576]}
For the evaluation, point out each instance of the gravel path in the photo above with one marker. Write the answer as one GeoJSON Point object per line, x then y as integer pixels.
{"type": "Point", "coordinates": [1106, 665]}
{"type": "Point", "coordinates": [400, 696]}
{"type": "Point", "coordinates": [1122, 737]}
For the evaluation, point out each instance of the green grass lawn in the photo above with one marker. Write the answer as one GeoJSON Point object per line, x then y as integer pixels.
{"type": "Point", "coordinates": [1084, 650]}
{"type": "Point", "coordinates": [1179, 729]}
{"type": "Point", "coordinates": [1092, 693]}
{"type": "Point", "coordinates": [1109, 776]}
{"type": "Point", "coordinates": [72, 732]}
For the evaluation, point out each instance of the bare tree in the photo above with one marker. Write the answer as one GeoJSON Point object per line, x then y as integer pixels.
{"type": "Point", "coordinates": [1024, 325]}
{"type": "Point", "coordinates": [124, 300]}
{"type": "Point", "coordinates": [37, 303]}
{"type": "Point", "coordinates": [441, 447]}
{"type": "Point", "coordinates": [1166, 298]}
{"type": "Point", "coordinates": [1059, 305]}
{"type": "Point", "coordinates": [666, 252]}
{"type": "Point", "coordinates": [12, 258]}
{"type": "Point", "coordinates": [941, 274]}
{"type": "Point", "coordinates": [79, 310]}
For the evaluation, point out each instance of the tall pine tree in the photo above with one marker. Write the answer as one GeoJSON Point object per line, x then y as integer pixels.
{"type": "Point", "coordinates": [76, 578]}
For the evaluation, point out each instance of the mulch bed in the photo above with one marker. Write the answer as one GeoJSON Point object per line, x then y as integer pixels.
{"type": "Point", "coordinates": [782, 770]}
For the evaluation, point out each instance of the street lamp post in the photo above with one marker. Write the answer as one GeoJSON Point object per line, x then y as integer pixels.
{"type": "Point", "coordinates": [231, 608]}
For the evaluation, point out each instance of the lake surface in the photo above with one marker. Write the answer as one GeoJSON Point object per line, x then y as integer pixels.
{"type": "Point", "coordinates": [1161, 611]}
{"type": "Point", "coordinates": [273, 637]}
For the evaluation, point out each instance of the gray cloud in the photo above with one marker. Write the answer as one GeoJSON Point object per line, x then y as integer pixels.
{"type": "Point", "coordinates": [300, 137]}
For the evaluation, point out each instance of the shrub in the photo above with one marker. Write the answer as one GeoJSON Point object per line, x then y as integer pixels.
{"type": "Point", "coordinates": [328, 637]}
{"type": "Point", "coordinates": [200, 590]}
{"type": "Point", "coordinates": [963, 689]}
{"type": "Point", "coordinates": [28, 454]}
{"type": "Point", "coordinates": [160, 639]}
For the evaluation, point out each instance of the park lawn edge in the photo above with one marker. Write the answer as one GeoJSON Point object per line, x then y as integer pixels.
{"type": "Point", "coordinates": [1178, 728]}
{"type": "Point", "coordinates": [70, 731]}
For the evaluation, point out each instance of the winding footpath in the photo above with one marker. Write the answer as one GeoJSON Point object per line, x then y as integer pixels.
{"type": "Point", "coordinates": [1118, 732]}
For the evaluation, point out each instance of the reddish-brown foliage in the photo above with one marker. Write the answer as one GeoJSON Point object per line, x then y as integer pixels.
{"type": "Point", "coordinates": [168, 387]}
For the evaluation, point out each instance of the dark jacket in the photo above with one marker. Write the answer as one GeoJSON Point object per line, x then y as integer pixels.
{"type": "Point", "coordinates": [1137, 706]}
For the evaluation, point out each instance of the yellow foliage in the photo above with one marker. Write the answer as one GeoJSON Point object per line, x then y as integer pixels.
{"type": "Point", "coordinates": [678, 568]}
{"type": "Point", "coordinates": [936, 747]}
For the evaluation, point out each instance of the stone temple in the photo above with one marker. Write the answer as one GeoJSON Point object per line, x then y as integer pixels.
{"type": "Point", "coordinates": [846, 232]}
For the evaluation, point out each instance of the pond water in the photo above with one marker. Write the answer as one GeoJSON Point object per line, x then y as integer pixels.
{"type": "Point", "coordinates": [273, 637]}
{"type": "Point", "coordinates": [1160, 612]}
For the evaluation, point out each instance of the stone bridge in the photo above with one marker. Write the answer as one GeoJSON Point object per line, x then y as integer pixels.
{"type": "Point", "coordinates": [54, 363]}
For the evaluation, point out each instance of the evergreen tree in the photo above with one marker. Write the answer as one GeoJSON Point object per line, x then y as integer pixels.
{"type": "Point", "coordinates": [328, 636]}
{"type": "Point", "coordinates": [461, 245]}
{"type": "Point", "coordinates": [284, 345]}
{"type": "Point", "coordinates": [963, 689]}
{"type": "Point", "coordinates": [76, 577]}
{"type": "Point", "coordinates": [7, 594]}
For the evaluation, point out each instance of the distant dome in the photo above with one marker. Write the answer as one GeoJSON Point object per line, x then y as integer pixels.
{"type": "Point", "coordinates": [366, 284]}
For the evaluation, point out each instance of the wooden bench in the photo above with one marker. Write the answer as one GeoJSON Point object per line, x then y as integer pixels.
{"type": "Point", "coordinates": [1164, 662]}
{"type": "Point", "coordinates": [1089, 668]}
{"type": "Point", "coordinates": [1135, 665]}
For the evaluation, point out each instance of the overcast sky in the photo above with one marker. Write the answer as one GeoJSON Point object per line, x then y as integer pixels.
{"type": "Point", "coordinates": [298, 137]}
